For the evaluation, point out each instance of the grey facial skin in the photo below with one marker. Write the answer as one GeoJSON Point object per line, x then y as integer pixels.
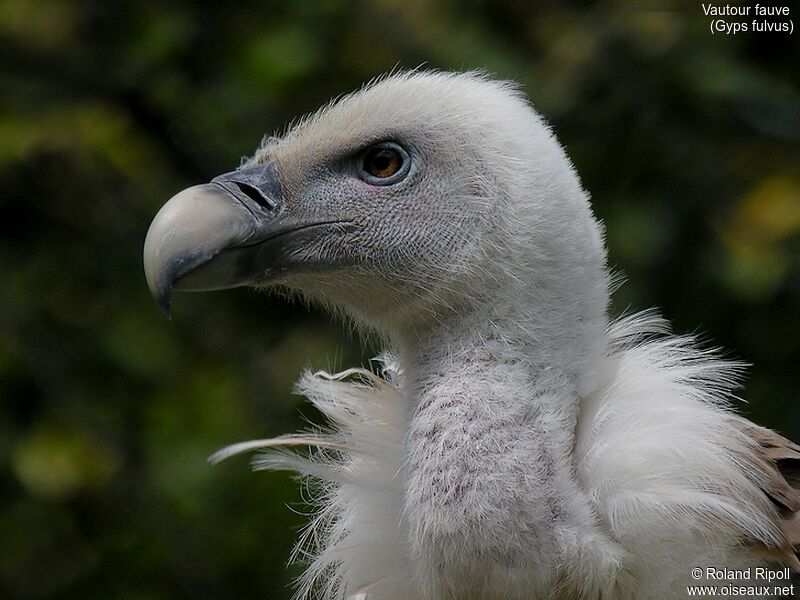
{"type": "Point", "coordinates": [311, 215]}
{"type": "Point", "coordinates": [232, 232]}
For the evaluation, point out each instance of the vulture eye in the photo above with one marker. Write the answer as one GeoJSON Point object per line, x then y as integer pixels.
{"type": "Point", "coordinates": [384, 163]}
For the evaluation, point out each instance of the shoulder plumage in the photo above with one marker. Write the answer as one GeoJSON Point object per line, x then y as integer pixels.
{"type": "Point", "coordinates": [665, 459]}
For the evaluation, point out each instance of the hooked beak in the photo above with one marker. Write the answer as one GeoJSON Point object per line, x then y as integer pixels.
{"type": "Point", "coordinates": [217, 235]}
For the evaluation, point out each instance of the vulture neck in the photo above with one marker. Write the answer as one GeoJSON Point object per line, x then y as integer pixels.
{"type": "Point", "coordinates": [496, 361]}
{"type": "Point", "coordinates": [490, 390]}
{"type": "Point", "coordinates": [560, 346]}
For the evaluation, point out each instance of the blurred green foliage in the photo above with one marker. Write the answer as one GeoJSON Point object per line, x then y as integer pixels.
{"type": "Point", "coordinates": [687, 141]}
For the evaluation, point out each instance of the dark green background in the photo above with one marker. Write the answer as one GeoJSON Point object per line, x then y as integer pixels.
{"type": "Point", "coordinates": [687, 141]}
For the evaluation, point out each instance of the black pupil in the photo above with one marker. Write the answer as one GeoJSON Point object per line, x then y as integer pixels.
{"type": "Point", "coordinates": [382, 161]}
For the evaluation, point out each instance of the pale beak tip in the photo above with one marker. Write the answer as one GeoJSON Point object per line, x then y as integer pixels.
{"type": "Point", "coordinates": [160, 286]}
{"type": "Point", "coordinates": [159, 279]}
{"type": "Point", "coordinates": [164, 301]}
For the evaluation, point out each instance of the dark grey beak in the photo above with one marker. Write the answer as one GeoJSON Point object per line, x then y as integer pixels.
{"type": "Point", "coordinates": [213, 236]}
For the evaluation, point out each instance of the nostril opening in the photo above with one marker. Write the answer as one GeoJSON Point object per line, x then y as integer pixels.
{"type": "Point", "coordinates": [254, 194]}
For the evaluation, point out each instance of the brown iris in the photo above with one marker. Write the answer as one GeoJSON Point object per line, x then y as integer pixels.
{"type": "Point", "coordinates": [382, 162]}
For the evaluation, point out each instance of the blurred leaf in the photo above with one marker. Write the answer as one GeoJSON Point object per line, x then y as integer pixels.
{"type": "Point", "coordinates": [44, 24]}
{"type": "Point", "coordinates": [271, 61]}
{"type": "Point", "coordinates": [55, 464]}
{"type": "Point", "coordinates": [756, 237]}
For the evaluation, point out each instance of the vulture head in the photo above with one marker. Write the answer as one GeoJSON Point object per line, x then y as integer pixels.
{"type": "Point", "coordinates": [422, 196]}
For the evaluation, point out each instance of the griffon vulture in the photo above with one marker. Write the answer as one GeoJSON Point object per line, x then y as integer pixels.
{"type": "Point", "coordinates": [517, 443]}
